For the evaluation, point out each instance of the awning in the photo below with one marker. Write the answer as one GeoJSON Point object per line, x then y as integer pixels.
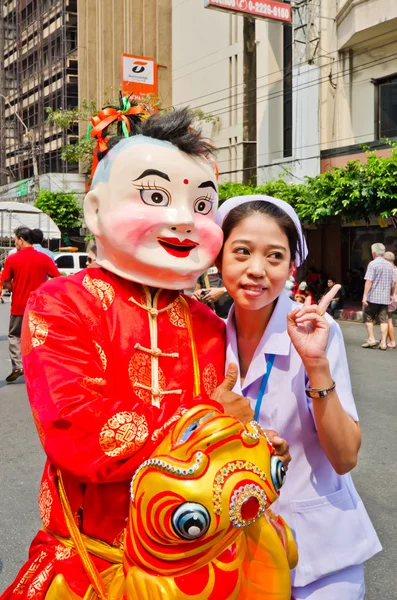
{"type": "Point", "coordinates": [15, 214]}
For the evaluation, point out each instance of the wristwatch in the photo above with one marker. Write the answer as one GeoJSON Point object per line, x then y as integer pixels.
{"type": "Point", "coordinates": [317, 393]}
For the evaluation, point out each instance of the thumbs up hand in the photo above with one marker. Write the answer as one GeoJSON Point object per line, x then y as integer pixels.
{"type": "Point", "coordinates": [233, 404]}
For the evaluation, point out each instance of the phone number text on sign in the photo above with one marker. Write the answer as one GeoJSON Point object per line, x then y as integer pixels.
{"type": "Point", "coordinates": [267, 9]}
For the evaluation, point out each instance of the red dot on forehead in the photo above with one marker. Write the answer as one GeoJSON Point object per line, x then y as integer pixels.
{"type": "Point", "coordinates": [185, 181]}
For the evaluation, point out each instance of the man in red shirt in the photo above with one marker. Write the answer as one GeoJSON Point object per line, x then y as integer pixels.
{"type": "Point", "coordinates": [23, 272]}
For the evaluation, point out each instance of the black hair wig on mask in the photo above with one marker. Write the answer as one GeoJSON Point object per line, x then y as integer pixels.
{"type": "Point", "coordinates": [175, 127]}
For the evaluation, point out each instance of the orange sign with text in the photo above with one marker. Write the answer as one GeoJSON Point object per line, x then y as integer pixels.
{"type": "Point", "coordinates": [139, 75]}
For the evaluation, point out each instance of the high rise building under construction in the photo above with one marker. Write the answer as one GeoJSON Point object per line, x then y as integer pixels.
{"type": "Point", "coordinates": [56, 53]}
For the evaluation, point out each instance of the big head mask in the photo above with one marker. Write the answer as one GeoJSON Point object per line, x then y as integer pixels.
{"type": "Point", "coordinates": [152, 205]}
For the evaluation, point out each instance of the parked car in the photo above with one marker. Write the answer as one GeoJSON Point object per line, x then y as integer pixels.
{"type": "Point", "coordinates": [69, 263]}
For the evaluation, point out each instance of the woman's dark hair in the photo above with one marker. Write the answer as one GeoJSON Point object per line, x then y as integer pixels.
{"type": "Point", "coordinates": [175, 126]}
{"type": "Point", "coordinates": [286, 224]}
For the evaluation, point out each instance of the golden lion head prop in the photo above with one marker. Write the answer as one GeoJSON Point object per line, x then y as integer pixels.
{"type": "Point", "coordinates": [199, 518]}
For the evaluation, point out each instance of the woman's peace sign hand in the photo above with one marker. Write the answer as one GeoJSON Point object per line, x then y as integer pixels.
{"type": "Point", "coordinates": [309, 329]}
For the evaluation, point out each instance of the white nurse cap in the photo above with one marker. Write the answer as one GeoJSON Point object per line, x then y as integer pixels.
{"type": "Point", "coordinates": [231, 203]}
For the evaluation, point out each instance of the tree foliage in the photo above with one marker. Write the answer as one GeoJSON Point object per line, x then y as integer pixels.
{"type": "Point", "coordinates": [82, 150]}
{"type": "Point", "coordinates": [356, 191]}
{"type": "Point", "coordinates": [63, 208]}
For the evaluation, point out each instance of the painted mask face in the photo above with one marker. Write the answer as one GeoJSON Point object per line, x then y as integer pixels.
{"type": "Point", "coordinates": [152, 212]}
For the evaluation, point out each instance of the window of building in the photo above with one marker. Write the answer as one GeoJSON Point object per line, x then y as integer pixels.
{"type": "Point", "coordinates": [387, 107]}
{"type": "Point", "coordinates": [287, 89]}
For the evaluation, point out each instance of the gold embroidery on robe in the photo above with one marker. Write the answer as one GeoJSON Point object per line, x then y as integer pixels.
{"type": "Point", "coordinates": [176, 314]}
{"type": "Point", "coordinates": [39, 427]}
{"type": "Point", "coordinates": [123, 434]}
{"type": "Point", "coordinates": [38, 329]}
{"type": "Point", "coordinates": [20, 587]}
{"type": "Point", "coordinates": [140, 372]}
{"type": "Point", "coordinates": [38, 584]}
{"type": "Point", "coordinates": [45, 503]}
{"type": "Point", "coordinates": [63, 552]}
{"type": "Point", "coordinates": [94, 385]}
{"type": "Point", "coordinates": [102, 355]}
{"type": "Point", "coordinates": [210, 380]}
{"type": "Point", "coordinates": [101, 290]}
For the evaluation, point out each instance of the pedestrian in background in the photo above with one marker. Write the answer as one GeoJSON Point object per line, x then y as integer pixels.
{"type": "Point", "coordinates": [302, 293]}
{"type": "Point", "coordinates": [1, 284]}
{"type": "Point", "coordinates": [378, 291]}
{"type": "Point", "coordinates": [91, 257]}
{"type": "Point", "coordinates": [211, 291]}
{"type": "Point", "coordinates": [23, 272]}
{"type": "Point", "coordinates": [392, 308]}
{"type": "Point", "coordinates": [38, 239]}
{"type": "Point", "coordinates": [337, 302]}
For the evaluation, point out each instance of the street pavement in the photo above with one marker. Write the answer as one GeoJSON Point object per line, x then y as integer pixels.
{"type": "Point", "coordinates": [375, 389]}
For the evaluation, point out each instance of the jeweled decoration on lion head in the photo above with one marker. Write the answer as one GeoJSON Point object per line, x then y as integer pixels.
{"type": "Point", "coordinates": [153, 199]}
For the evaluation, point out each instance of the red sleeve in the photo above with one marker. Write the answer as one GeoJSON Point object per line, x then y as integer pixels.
{"type": "Point", "coordinates": [7, 271]}
{"type": "Point", "coordinates": [71, 400]}
{"type": "Point", "coordinates": [52, 268]}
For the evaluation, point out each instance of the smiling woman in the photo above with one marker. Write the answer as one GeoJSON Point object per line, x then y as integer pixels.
{"type": "Point", "coordinates": [293, 369]}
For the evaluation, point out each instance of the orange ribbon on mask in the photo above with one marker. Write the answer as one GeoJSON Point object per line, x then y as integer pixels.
{"type": "Point", "coordinates": [102, 120]}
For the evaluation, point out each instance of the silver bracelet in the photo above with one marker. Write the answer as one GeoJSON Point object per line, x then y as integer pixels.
{"type": "Point", "coordinates": [318, 393]}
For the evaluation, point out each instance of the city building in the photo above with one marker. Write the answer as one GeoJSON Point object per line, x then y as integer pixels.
{"type": "Point", "coordinates": [55, 54]}
{"type": "Point", "coordinates": [321, 88]}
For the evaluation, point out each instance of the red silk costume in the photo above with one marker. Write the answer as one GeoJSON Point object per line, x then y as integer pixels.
{"type": "Point", "coordinates": [107, 368]}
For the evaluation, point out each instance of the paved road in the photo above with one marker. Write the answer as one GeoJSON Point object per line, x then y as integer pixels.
{"type": "Point", "coordinates": [374, 382]}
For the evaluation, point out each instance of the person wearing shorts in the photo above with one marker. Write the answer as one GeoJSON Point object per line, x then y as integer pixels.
{"type": "Point", "coordinates": [378, 291]}
{"type": "Point", "coordinates": [392, 308]}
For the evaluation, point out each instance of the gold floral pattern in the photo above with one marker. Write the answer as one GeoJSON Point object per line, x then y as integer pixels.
{"type": "Point", "coordinates": [140, 371]}
{"type": "Point", "coordinates": [94, 385]}
{"type": "Point", "coordinates": [39, 427]}
{"type": "Point", "coordinates": [45, 503]}
{"type": "Point", "coordinates": [123, 434]}
{"type": "Point", "coordinates": [210, 380]}
{"type": "Point", "coordinates": [38, 329]}
{"type": "Point", "coordinates": [101, 290]}
{"type": "Point", "coordinates": [102, 355]}
{"type": "Point", "coordinates": [63, 552]}
{"type": "Point", "coordinates": [176, 314]}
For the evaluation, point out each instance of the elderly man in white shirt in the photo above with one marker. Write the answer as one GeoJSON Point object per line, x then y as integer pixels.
{"type": "Point", "coordinates": [378, 291]}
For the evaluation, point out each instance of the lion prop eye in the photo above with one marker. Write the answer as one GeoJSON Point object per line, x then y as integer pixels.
{"type": "Point", "coordinates": [190, 520]}
{"type": "Point", "coordinates": [277, 472]}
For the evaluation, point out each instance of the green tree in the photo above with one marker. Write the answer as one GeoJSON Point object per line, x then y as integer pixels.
{"type": "Point", "coordinates": [82, 150]}
{"type": "Point", "coordinates": [356, 191]}
{"type": "Point", "coordinates": [63, 208]}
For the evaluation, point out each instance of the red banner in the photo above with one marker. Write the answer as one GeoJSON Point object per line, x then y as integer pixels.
{"type": "Point", "coordinates": [265, 9]}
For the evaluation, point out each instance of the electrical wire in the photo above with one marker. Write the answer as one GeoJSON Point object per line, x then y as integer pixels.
{"type": "Point", "coordinates": [300, 87]}
{"type": "Point", "coordinates": [364, 51]}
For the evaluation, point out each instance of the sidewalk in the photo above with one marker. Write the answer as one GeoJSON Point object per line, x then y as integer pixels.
{"type": "Point", "coordinates": [352, 311]}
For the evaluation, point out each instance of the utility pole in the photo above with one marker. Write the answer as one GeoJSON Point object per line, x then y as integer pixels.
{"type": "Point", "coordinates": [32, 143]}
{"type": "Point", "coordinates": [36, 180]}
{"type": "Point", "coordinates": [249, 108]}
